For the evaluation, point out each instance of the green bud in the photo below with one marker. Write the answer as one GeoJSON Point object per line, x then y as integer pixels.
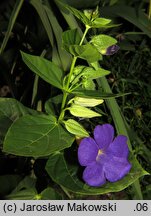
{"type": "Point", "coordinates": [87, 102]}
{"type": "Point", "coordinates": [88, 13]}
{"type": "Point", "coordinates": [75, 128]}
{"type": "Point", "coordinates": [80, 111]}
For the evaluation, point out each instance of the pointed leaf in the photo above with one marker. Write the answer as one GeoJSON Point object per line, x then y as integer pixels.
{"type": "Point", "coordinates": [95, 94]}
{"type": "Point", "coordinates": [47, 70]}
{"type": "Point", "coordinates": [36, 136]}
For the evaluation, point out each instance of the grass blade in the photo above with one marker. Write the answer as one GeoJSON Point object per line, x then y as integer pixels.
{"type": "Point", "coordinates": [43, 16]}
{"type": "Point", "coordinates": [12, 21]}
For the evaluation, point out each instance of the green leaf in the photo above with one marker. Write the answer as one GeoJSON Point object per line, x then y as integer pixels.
{"type": "Point", "coordinates": [136, 17]}
{"type": "Point", "coordinates": [47, 70]}
{"type": "Point", "coordinates": [67, 176]}
{"type": "Point", "coordinates": [91, 73]}
{"type": "Point", "coordinates": [10, 111]}
{"type": "Point", "coordinates": [95, 94]}
{"type": "Point", "coordinates": [36, 136]}
{"type": "Point", "coordinates": [70, 37]}
{"type": "Point", "coordinates": [102, 42]}
{"type": "Point", "coordinates": [24, 190]}
{"type": "Point", "coordinates": [50, 194]}
{"type": "Point", "coordinates": [87, 52]}
{"type": "Point", "coordinates": [79, 15]}
{"type": "Point", "coordinates": [100, 22]}
{"type": "Point", "coordinates": [64, 57]}
{"type": "Point", "coordinates": [52, 105]}
{"type": "Point", "coordinates": [26, 183]}
{"type": "Point", "coordinates": [75, 128]}
{"type": "Point", "coordinates": [44, 18]}
{"type": "Point", "coordinates": [77, 73]}
{"type": "Point", "coordinates": [79, 111]}
{"type": "Point", "coordinates": [87, 74]}
{"type": "Point", "coordinates": [88, 84]}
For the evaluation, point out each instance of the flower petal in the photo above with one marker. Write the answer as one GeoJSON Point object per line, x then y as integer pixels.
{"type": "Point", "coordinates": [93, 175]}
{"type": "Point", "coordinates": [116, 168]}
{"type": "Point", "coordinates": [87, 151]}
{"type": "Point", "coordinates": [103, 135]}
{"type": "Point", "coordinates": [119, 147]}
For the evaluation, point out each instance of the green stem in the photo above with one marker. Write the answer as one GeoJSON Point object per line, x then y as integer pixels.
{"type": "Point", "coordinates": [65, 94]}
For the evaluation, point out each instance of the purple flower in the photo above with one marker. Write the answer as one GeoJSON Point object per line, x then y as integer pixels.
{"type": "Point", "coordinates": [112, 49]}
{"type": "Point", "coordinates": [104, 158]}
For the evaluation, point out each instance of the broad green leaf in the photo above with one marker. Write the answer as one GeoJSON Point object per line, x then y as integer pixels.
{"type": "Point", "coordinates": [47, 70]}
{"type": "Point", "coordinates": [11, 110]}
{"type": "Point", "coordinates": [100, 22]}
{"type": "Point", "coordinates": [50, 194]}
{"type": "Point", "coordinates": [79, 111]}
{"type": "Point", "coordinates": [87, 52]}
{"type": "Point", "coordinates": [95, 94]}
{"type": "Point", "coordinates": [87, 102]}
{"type": "Point", "coordinates": [102, 42]}
{"type": "Point", "coordinates": [70, 37]}
{"type": "Point", "coordinates": [91, 73]}
{"type": "Point", "coordinates": [67, 176]}
{"type": "Point", "coordinates": [36, 136]}
{"type": "Point", "coordinates": [75, 128]}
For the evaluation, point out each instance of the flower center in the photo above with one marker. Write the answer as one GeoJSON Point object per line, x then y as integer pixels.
{"type": "Point", "coordinates": [100, 152]}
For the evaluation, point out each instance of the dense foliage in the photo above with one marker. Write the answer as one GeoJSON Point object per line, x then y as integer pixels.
{"type": "Point", "coordinates": [66, 67]}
